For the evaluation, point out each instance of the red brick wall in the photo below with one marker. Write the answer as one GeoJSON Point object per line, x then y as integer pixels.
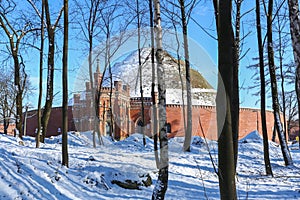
{"type": "Point", "coordinates": [204, 121]}
{"type": "Point", "coordinates": [206, 116]}
{"type": "Point", "coordinates": [55, 122]}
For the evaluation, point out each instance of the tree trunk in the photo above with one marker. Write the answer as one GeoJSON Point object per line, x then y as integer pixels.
{"type": "Point", "coordinates": [189, 128]}
{"type": "Point", "coordinates": [268, 166]}
{"type": "Point", "coordinates": [235, 107]}
{"type": "Point", "coordinates": [180, 77]}
{"type": "Point", "coordinates": [280, 52]}
{"type": "Point", "coordinates": [153, 96]}
{"type": "Point", "coordinates": [50, 73]}
{"type": "Point", "coordinates": [276, 109]}
{"type": "Point", "coordinates": [111, 129]}
{"type": "Point", "coordinates": [226, 163]}
{"type": "Point", "coordinates": [19, 101]}
{"type": "Point", "coordinates": [295, 31]}
{"type": "Point", "coordinates": [38, 131]}
{"type": "Point", "coordinates": [65, 156]}
{"type": "Point", "coordinates": [50, 81]}
{"type": "Point", "coordinates": [141, 73]}
{"type": "Point", "coordinates": [92, 88]}
{"type": "Point", "coordinates": [50, 66]}
{"type": "Point", "coordinates": [161, 186]}
{"type": "Point", "coordinates": [5, 125]}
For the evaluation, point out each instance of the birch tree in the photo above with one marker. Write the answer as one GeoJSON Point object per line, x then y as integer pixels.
{"type": "Point", "coordinates": [189, 128]}
{"type": "Point", "coordinates": [153, 97]}
{"type": "Point", "coordinates": [161, 186]}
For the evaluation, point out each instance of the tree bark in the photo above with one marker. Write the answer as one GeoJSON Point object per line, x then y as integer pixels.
{"type": "Point", "coordinates": [50, 74]}
{"type": "Point", "coordinates": [38, 131]}
{"type": "Point", "coordinates": [19, 97]}
{"type": "Point", "coordinates": [226, 163]}
{"type": "Point", "coordinates": [188, 131]}
{"type": "Point", "coordinates": [295, 36]}
{"type": "Point", "coordinates": [153, 96]}
{"type": "Point", "coordinates": [276, 110]}
{"type": "Point", "coordinates": [235, 107]}
{"type": "Point", "coordinates": [161, 186]}
{"type": "Point", "coordinates": [268, 166]}
{"type": "Point", "coordinates": [282, 77]}
{"type": "Point", "coordinates": [65, 156]}
{"type": "Point", "coordinates": [141, 73]}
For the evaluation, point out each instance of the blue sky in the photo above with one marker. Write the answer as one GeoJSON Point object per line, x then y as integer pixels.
{"type": "Point", "coordinates": [201, 45]}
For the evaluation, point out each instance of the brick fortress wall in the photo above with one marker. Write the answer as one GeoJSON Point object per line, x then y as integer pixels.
{"type": "Point", "coordinates": [204, 120]}
{"type": "Point", "coordinates": [55, 122]}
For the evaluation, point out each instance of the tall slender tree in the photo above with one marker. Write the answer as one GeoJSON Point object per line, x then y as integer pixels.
{"type": "Point", "coordinates": [161, 186]}
{"type": "Point", "coordinates": [226, 165]}
{"type": "Point", "coordinates": [295, 30]}
{"type": "Point", "coordinates": [51, 28]}
{"type": "Point", "coordinates": [90, 10]}
{"type": "Point", "coordinates": [262, 92]}
{"type": "Point", "coordinates": [235, 108]}
{"type": "Point", "coordinates": [188, 132]}
{"type": "Point", "coordinates": [65, 156]}
{"type": "Point", "coordinates": [39, 112]}
{"type": "Point", "coordinates": [140, 72]}
{"type": "Point", "coordinates": [153, 96]}
{"type": "Point", "coordinates": [275, 102]}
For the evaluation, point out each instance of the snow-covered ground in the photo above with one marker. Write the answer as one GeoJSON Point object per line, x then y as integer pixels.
{"type": "Point", "coordinates": [30, 173]}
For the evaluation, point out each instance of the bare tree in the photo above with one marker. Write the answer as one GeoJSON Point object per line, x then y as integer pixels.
{"type": "Point", "coordinates": [178, 12]}
{"type": "Point", "coordinates": [89, 13]}
{"type": "Point", "coordinates": [39, 114]}
{"type": "Point", "coordinates": [154, 103]}
{"type": "Point", "coordinates": [189, 128]}
{"type": "Point", "coordinates": [112, 21]}
{"type": "Point", "coordinates": [226, 157]}
{"type": "Point", "coordinates": [268, 166]}
{"type": "Point", "coordinates": [162, 182]}
{"type": "Point", "coordinates": [51, 28]}
{"type": "Point", "coordinates": [15, 33]}
{"type": "Point", "coordinates": [235, 112]}
{"type": "Point", "coordinates": [291, 109]}
{"type": "Point", "coordinates": [295, 30]}
{"type": "Point", "coordinates": [276, 109]}
{"type": "Point", "coordinates": [65, 156]}
{"type": "Point", "coordinates": [7, 99]}
{"type": "Point", "coordinates": [140, 71]}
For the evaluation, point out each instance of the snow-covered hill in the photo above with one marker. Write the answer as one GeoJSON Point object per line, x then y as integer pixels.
{"type": "Point", "coordinates": [127, 70]}
{"type": "Point", "coordinates": [30, 173]}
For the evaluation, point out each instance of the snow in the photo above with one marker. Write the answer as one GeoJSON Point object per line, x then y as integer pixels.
{"type": "Point", "coordinates": [127, 71]}
{"type": "Point", "coordinates": [30, 173]}
{"type": "Point", "coordinates": [252, 137]}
